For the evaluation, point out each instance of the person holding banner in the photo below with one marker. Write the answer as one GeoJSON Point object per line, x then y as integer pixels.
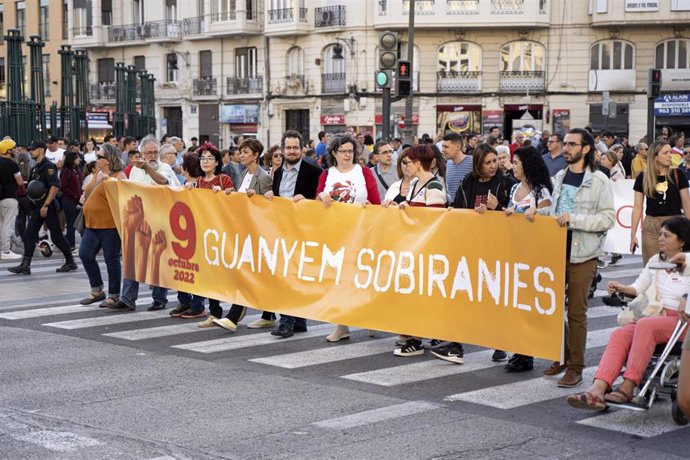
{"type": "Point", "coordinates": [632, 345]}
{"type": "Point", "coordinates": [583, 203]}
{"type": "Point", "coordinates": [485, 189]}
{"type": "Point", "coordinates": [663, 191]}
{"type": "Point", "coordinates": [346, 182]}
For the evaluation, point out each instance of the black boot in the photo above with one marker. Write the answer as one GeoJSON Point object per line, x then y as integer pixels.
{"type": "Point", "coordinates": [520, 363]}
{"type": "Point", "coordinates": [69, 266]}
{"type": "Point", "coordinates": [22, 269]}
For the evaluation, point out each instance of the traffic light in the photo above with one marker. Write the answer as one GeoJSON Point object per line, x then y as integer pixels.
{"type": "Point", "coordinates": [403, 78]}
{"type": "Point", "coordinates": [388, 50]}
{"type": "Point", "coordinates": [654, 83]}
{"type": "Point", "coordinates": [383, 79]}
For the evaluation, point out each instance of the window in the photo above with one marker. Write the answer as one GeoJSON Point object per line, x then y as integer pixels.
{"type": "Point", "coordinates": [21, 18]}
{"type": "Point", "coordinates": [223, 10]}
{"type": "Point", "coordinates": [171, 68]}
{"type": "Point", "coordinates": [140, 62]}
{"type": "Point", "coordinates": [459, 58]}
{"type": "Point", "coordinates": [2, 70]}
{"type": "Point", "coordinates": [200, 8]}
{"type": "Point", "coordinates": [2, 23]}
{"type": "Point", "coordinates": [245, 63]}
{"type": "Point", "coordinates": [65, 13]}
{"type": "Point", "coordinates": [43, 30]}
{"type": "Point", "coordinates": [138, 11]}
{"type": "Point", "coordinates": [46, 74]}
{"type": "Point", "coordinates": [295, 62]}
{"type": "Point", "coordinates": [522, 56]}
{"type": "Point", "coordinates": [612, 54]}
{"type": "Point", "coordinates": [107, 12]}
{"type": "Point", "coordinates": [106, 70]}
{"type": "Point", "coordinates": [673, 54]}
{"type": "Point", "coordinates": [205, 64]}
{"type": "Point", "coordinates": [82, 18]}
{"type": "Point", "coordinates": [171, 10]}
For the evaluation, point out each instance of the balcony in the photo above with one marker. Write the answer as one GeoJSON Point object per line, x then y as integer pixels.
{"type": "Point", "coordinates": [333, 83]}
{"type": "Point", "coordinates": [88, 37]}
{"type": "Point", "coordinates": [244, 86]}
{"type": "Point", "coordinates": [102, 92]}
{"type": "Point", "coordinates": [287, 22]}
{"type": "Point", "coordinates": [669, 13]}
{"type": "Point", "coordinates": [125, 33]}
{"type": "Point", "coordinates": [233, 22]}
{"type": "Point", "coordinates": [205, 86]}
{"type": "Point", "coordinates": [193, 26]}
{"type": "Point", "coordinates": [393, 14]}
{"type": "Point", "coordinates": [163, 30]}
{"type": "Point", "coordinates": [224, 16]}
{"type": "Point", "coordinates": [458, 82]}
{"type": "Point", "coordinates": [329, 16]}
{"type": "Point", "coordinates": [522, 81]}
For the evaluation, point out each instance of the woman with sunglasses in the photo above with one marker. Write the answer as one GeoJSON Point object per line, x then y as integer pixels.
{"type": "Point", "coordinates": [660, 189]}
{"type": "Point", "coordinates": [639, 163]}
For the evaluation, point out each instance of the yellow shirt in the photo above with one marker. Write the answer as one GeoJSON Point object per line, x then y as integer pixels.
{"type": "Point", "coordinates": [639, 165]}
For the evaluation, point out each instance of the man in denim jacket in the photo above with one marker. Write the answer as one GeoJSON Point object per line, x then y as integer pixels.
{"type": "Point", "coordinates": [583, 203]}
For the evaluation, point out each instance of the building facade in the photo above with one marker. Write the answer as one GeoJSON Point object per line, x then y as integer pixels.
{"type": "Point", "coordinates": [258, 67]}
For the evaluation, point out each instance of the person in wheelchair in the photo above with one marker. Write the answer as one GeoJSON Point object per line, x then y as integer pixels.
{"type": "Point", "coordinates": [632, 346]}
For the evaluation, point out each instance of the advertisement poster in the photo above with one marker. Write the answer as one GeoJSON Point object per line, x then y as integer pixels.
{"type": "Point", "coordinates": [561, 121]}
{"type": "Point", "coordinates": [460, 121]}
{"type": "Point", "coordinates": [492, 118]}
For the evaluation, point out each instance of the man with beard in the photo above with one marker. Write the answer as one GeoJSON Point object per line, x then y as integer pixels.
{"type": "Point", "coordinates": [147, 170]}
{"type": "Point", "coordinates": [297, 180]}
{"type": "Point", "coordinates": [583, 203]}
{"type": "Point", "coordinates": [43, 189]}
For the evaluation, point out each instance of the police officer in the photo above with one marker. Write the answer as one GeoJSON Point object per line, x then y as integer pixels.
{"type": "Point", "coordinates": [46, 173]}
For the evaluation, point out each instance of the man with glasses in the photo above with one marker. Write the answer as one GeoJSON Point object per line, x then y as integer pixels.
{"type": "Point", "coordinates": [639, 163]}
{"type": "Point", "coordinates": [296, 180]}
{"type": "Point", "coordinates": [384, 171]}
{"type": "Point", "coordinates": [147, 170]}
{"type": "Point", "coordinates": [554, 159]}
{"type": "Point", "coordinates": [583, 203]}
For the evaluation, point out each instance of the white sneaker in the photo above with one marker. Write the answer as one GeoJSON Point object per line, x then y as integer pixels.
{"type": "Point", "coordinates": [340, 333]}
{"type": "Point", "coordinates": [10, 256]}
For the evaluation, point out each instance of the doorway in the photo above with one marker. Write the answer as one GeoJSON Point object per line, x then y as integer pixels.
{"type": "Point", "coordinates": [173, 115]}
{"type": "Point", "coordinates": [298, 120]}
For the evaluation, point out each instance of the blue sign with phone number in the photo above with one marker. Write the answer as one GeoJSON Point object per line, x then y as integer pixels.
{"type": "Point", "coordinates": [672, 105]}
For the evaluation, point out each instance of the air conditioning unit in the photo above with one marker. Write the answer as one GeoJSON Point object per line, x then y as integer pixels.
{"type": "Point", "coordinates": [326, 18]}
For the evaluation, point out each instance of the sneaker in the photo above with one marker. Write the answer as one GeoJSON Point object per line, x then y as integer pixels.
{"type": "Point", "coordinates": [520, 363]}
{"type": "Point", "coordinates": [413, 347]}
{"type": "Point", "coordinates": [208, 322]}
{"type": "Point", "coordinates": [261, 323]}
{"type": "Point", "coordinates": [177, 312]}
{"type": "Point", "coordinates": [225, 324]}
{"type": "Point", "coordinates": [499, 355]}
{"type": "Point", "coordinates": [601, 263]}
{"type": "Point", "coordinates": [155, 306]}
{"type": "Point", "coordinates": [615, 258]}
{"type": "Point", "coordinates": [191, 314]}
{"type": "Point", "coordinates": [452, 352]}
{"type": "Point", "coordinates": [10, 256]}
{"type": "Point", "coordinates": [401, 341]}
{"type": "Point", "coordinates": [283, 332]}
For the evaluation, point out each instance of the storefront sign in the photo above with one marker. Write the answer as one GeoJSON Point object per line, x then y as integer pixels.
{"type": "Point", "coordinates": [561, 121]}
{"type": "Point", "coordinates": [636, 6]}
{"type": "Point", "coordinates": [458, 118]}
{"type": "Point", "coordinates": [378, 118]}
{"type": "Point", "coordinates": [491, 118]}
{"type": "Point", "coordinates": [239, 114]}
{"type": "Point", "coordinates": [672, 105]}
{"type": "Point", "coordinates": [336, 119]}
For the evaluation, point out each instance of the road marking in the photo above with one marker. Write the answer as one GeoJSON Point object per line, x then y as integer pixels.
{"type": "Point", "coordinates": [436, 368]}
{"type": "Point", "coordinates": [377, 415]}
{"type": "Point", "coordinates": [50, 311]}
{"type": "Point", "coordinates": [648, 424]}
{"type": "Point", "coordinates": [622, 273]}
{"type": "Point", "coordinates": [328, 355]}
{"type": "Point", "coordinates": [602, 312]}
{"type": "Point", "coordinates": [254, 340]}
{"type": "Point", "coordinates": [165, 331]}
{"type": "Point", "coordinates": [111, 318]}
{"type": "Point", "coordinates": [627, 260]}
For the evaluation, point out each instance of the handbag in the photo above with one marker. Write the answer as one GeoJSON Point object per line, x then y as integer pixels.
{"type": "Point", "coordinates": [79, 222]}
{"type": "Point", "coordinates": [644, 305]}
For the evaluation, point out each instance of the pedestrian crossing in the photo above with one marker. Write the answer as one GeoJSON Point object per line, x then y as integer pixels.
{"type": "Point", "coordinates": [362, 361]}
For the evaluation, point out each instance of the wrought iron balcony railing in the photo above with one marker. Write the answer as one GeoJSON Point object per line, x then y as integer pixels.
{"type": "Point", "coordinates": [522, 81]}
{"type": "Point", "coordinates": [457, 82]}
{"type": "Point", "coordinates": [329, 16]}
{"type": "Point", "coordinates": [205, 86]}
{"type": "Point", "coordinates": [245, 85]}
{"type": "Point", "coordinates": [102, 91]}
{"type": "Point", "coordinates": [333, 83]}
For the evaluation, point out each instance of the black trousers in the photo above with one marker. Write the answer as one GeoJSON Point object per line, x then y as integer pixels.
{"type": "Point", "coordinates": [236, 312]}
{"type": "Point", "coordinates": [34, 226]}
{"type": "Point", "coordinates": [25, 207]}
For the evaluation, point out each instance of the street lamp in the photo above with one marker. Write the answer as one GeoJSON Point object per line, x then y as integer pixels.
{"type": "Point", "coordinates": [338, 49]}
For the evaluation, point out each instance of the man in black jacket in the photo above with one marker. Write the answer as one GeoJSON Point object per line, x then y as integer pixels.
{"type": "Point", "coordinates": [297, 180]}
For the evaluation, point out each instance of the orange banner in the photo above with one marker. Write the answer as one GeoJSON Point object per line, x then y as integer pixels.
{"type": "Point", "coordinates": [489, 280]}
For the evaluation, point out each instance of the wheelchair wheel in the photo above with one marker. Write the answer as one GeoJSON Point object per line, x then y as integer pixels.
{"type": "Point", "coordinates": [45, 249]}
{"type": "Point", "coordinates": [678, 416]}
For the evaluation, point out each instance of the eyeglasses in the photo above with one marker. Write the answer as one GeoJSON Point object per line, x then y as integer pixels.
{"type": "Point", "coordinates": [345, 152]}
{"type": "Point", "coordinates": [574, 144]}
{"type": "Point", "coordinates": [207, 159]}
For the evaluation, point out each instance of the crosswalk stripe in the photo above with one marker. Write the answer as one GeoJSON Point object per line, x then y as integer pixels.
{"type": "Point", "coordinates": [50, 311]}
{"type": "Point", "coordinates": [602, 312]}
{"type": "Point", "coordinates": [110, 319]}
{"type": "Point", "coordinates": [648, 424]}
{"type": "Point", "coordinates": [328, 355]}
{"type": "Point", "coordinates": [625, 261]}
{"type": "Point", "coordinates": [522, 393]}
{"type": "Point", "coordinates": [68, 301]}
{"type": "Point", "coordinates": [435, 368]}
{"type": "Point", "coordinates": [252, 340]}
{"type": "Point", "coordinates": [377, 415]}
{"type": "Point", "coordinates": [625, 273]}
{"type": "Point", "coordinates": [165, 331]}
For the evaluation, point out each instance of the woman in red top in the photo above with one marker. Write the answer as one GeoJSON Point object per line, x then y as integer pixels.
{"type": "Point", "coordinates": [211, 163]}
{"type": "Point", "coordinates": [70, 185]}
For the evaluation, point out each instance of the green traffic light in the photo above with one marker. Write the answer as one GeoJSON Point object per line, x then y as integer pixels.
{"type": "Point", "coordinates": [381, 78]}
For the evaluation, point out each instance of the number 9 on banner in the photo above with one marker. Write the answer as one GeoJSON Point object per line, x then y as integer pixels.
{"type": "Point", "coordinates": [184, 229]}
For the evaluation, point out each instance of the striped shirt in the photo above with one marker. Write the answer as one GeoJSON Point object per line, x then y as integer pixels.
{"type": "Point", "coordinates": [455, 173]}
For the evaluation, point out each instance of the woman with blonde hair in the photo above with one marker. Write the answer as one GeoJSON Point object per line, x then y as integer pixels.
{"type": "Point", "coordinates": [662, 191]}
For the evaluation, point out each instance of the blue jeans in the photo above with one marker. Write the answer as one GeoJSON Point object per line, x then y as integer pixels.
{"type": "Point", "coordinates": [195, 302]}
{"type": "Point", "coordinates": [70, 208]}
{"type": "Point", "coordinates": [292, 321]}
{"type": "Point", "coordinates": [130, 292]}
{"type": "Point", "coordinates": [91, 242]}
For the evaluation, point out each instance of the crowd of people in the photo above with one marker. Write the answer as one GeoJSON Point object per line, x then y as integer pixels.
{"type": "Point", "coordinates": [58, 184]}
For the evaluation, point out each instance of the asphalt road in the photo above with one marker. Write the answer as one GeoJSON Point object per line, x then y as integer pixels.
{"type": "Point", "coordinates": [79, 382]}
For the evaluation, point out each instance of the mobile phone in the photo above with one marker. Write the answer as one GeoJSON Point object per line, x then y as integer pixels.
{"type": "Point", "coordinates": [662, 266]}
{"type": "Point", "coordinates": [634, 248]}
